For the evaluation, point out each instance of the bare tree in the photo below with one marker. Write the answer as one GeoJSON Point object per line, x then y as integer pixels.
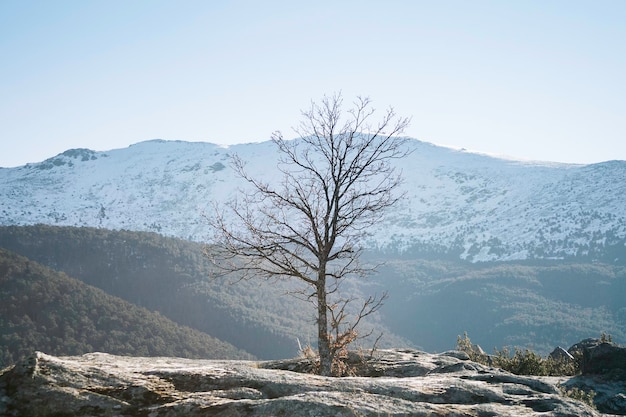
{"type": "Point", "coordinates": [337, 180]}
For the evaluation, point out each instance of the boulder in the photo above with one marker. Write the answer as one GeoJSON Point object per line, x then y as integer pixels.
{"type": "Point", "coordinates": [607, 359]}
{"type": "Point", "coordinates": [583, 345]}
{"type": "Point", "coordinates": [397, 382]}
{"type": "Point", "coordinates": [560, 353]}
{"type": "Point", "coordinates": [603, 372]}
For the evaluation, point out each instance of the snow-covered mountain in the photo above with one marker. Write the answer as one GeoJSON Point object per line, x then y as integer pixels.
{"type": "Point", "coordinates": [458, 203]}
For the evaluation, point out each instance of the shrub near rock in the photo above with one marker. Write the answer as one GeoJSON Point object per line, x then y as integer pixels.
{"type": "Point", "coordinates": [527, 362]}
{"type": "Point", "coordinates": [597, 367]}
{"type": "Point", "coordinates": [603, 374]}
{"type": "Point", "coordinates": [521, 362]}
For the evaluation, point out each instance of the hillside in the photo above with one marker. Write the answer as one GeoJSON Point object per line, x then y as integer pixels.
{"type": "Point", "coordinates": [47, 310]}
{"type": "Point", "coordinates": [173, 277]}
{"type": "Point", "coordinates": [458, 205]}
{"type": "Point", "coordinates": [432, 301]}
{"type": "Point", "coordinates": [539, 305]}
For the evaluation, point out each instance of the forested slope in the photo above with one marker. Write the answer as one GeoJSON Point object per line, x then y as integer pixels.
{"type": "Point", "coordinates": [173, 277]}
{"type": "Point", "coordinates": [535, 304]}
{"type": "Point", "coordinates": [45, 310]}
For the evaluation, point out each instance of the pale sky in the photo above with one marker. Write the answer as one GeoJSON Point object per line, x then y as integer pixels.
{"type": "Point", "coordinates": [532, 79]}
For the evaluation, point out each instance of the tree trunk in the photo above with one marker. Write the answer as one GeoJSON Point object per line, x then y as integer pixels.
{"type": "Point", "coordinates": [323, 342]}
{"type": "Point", "coordinates": [304, 222]}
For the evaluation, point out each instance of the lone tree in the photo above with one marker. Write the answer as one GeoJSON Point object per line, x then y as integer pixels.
{"type": "Point", "coordinates": [337, 180]}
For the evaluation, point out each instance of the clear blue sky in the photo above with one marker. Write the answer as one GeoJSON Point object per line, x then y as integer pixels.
{"type": "Point", "coordinates": [534, 79]}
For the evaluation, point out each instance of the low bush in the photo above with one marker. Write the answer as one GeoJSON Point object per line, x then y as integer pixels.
{"type": "Point", "coordinates": [520, 361]}
{"type": "Point", "coordinates": [579, 394]}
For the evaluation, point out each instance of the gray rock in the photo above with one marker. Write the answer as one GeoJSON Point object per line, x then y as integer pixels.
{"type": "Point", "coordinates": [560, 353]}
{"type": "Point", "coordinates": [398, 383]}
{"type": "Point", "coordinates": [605, 359]}
{"type": "Point", "coordinates": [609, 394]}
{"type": "Point", "coordinates": [583, 345]}
{"type": "Point", "coordinates": [603, 369]}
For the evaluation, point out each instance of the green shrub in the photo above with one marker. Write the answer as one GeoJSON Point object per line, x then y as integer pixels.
{"type": "Point", "coordinates": [521, 362]}
{"type": "Point", "coordinates": [579, 394]}
{"type": "Point", "coordinates": [474, 352]}
{"type": "Point", "coordinates": [606, 338]}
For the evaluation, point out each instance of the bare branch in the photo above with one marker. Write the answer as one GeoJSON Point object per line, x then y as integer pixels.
{"type": "Point", "coordinates": [338, 179]}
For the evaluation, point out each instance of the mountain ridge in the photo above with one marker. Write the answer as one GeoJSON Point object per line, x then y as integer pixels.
{"type": "Point", "coordinates": [459, 204]}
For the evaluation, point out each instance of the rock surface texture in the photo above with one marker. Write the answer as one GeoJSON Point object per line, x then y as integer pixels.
{"type": "Point", "coordinates": [603, 372]}
{"type": "Point", "coordinates": [396, 383]}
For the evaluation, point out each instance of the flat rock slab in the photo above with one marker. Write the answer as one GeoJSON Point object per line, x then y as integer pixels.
{"type": "Point", "coordinates": [399, 383]}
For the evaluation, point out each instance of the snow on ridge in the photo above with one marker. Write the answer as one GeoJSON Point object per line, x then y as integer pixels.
{"type": "Point", "coordinates": [480, 207]}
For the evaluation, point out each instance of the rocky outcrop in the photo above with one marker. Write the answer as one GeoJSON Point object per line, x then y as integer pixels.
{"type": "Point", "coordinates": [607, 359]}
{"type": "Point", "coordinates": [560, 353]}
{"type": "Point", "coordinates": [397, 383]}
{"type": "Point", "coordinates": [603, 369]}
